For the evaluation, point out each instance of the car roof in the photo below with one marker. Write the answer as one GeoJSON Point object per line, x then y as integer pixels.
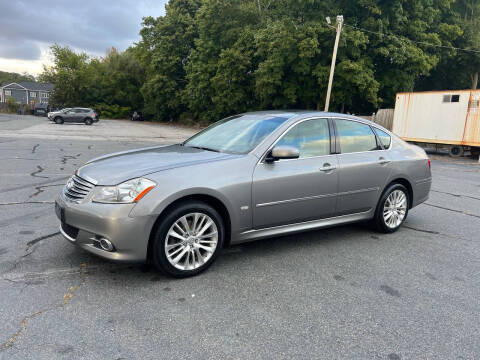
{"type": "Point", "coordinates": [294, 115]}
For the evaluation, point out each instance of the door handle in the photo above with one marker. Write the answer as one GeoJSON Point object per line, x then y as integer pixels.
{"type": "Point", "coordinates": [327, 167]}
{"type": "Point", "coordinates": [383, 161]}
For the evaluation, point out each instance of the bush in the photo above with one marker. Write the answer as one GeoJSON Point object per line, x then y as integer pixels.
{"type": "Point", "coordinates": [113, 111]}
{"type": "Point", "coordinates": [12, 105]}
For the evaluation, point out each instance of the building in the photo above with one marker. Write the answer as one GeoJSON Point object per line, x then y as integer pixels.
{"type": "Point", "coordinates": [26, 92]}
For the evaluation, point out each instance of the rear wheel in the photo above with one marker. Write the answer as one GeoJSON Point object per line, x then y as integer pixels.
{"type": "Point", "coordinates": [188, 240]}
{"type": "Point", "coordinates": [88, 121]}
{"type": "Point", "coordinates": [455, 151]}
{"type": "Point", "coordinates": [392, 209]}
{"type": "Point", "coordinates": [58, 120]}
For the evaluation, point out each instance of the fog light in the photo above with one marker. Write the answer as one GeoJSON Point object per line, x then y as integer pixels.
{"type": "Point", "coordinates": [106, 245]}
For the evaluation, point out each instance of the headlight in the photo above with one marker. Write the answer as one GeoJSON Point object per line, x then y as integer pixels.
{"type": "Point", "coordinates": [128, 192]}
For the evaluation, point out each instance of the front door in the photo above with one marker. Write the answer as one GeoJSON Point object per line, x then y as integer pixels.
{"type": "Point", "coordinates": [297, 190]}
{"type": "Point", "coordinates": [70, 115]}
{"type": "Point", "coordinates": [363, 167]}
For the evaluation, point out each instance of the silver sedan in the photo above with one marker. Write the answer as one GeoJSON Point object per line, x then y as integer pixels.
{"type": "Point", "coordinates": [247, 177]}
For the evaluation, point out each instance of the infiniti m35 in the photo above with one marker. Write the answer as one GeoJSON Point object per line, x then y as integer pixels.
{"type": "Point", "coordinates": [249, 176]}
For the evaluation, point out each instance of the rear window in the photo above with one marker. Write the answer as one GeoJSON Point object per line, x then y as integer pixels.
{"type": "Point", "coordinates": [355, 136]}
{"type": "Point", "coordinates": [384, 138]}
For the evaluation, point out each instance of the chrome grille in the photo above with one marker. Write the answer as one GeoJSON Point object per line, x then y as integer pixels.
{"type": "Point", "coordinates": [77, 188]}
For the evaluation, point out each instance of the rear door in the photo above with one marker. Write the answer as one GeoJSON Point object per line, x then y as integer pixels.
{"type": "Point", "coordinates": [297, 190]}
{"type": "Point", "coordinates": [79, 115]}
{"type": "Point", "coordinates": [364, 166]}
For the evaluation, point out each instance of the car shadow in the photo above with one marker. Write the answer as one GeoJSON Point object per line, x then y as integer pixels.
{"type": "Point", "coordinates": [232, 259]}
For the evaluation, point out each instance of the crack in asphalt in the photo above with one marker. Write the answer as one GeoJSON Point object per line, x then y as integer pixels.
{"type": "Point", "coordinates": [453, 210]}
{"type": "Point", "coordinates": [456, 195]}
{"type": "Point", "coordinates": [65, 158]}
{"type": "Point", "coordinates": [27, 253]}
{"type": "Point", "coordinates": [34, 149]}
{"type": "Point", "coordinates": [66, 299]}
{"type": "Point", "coordinates": [33, 185]}
{"type": "Point", "coordinates": [40, 169]}
{"type": "Point", "coordinates": [40, 189]}
{"type": "Point", "coordinates": [41, 238]}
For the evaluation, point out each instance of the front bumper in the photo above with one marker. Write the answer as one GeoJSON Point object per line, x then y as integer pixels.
{"type": "Point", "coordinates": [85, 223]}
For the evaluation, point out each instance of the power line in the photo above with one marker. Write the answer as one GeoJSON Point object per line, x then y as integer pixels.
{"type": "Point", "coordinates": [399, 37]}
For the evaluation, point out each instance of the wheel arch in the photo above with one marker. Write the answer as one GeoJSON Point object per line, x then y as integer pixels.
{"type": "Point", "coordinates": [211, 200]}
{"type": "Point", "coordinates": [405, 182]}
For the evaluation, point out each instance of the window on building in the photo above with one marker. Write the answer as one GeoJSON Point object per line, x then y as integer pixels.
{"type": "Point", "coordinates": [8, 92]}
{"type": "Point", "coordinates": [451, 98]}
{"type": "Point", "coordinates": [33, 94]}
{"type": "Point", "coordinates": [44, 95]}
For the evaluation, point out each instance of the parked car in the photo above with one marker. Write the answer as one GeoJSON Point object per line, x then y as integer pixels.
{"type": "Point", "coordinates": [137, 116]}
{"type": "Point", "coordinates": [247, 177]}
{"type": "Point", "coordinates": [40, 109]}
{"type": "Point", "coordinates": [78, 115]}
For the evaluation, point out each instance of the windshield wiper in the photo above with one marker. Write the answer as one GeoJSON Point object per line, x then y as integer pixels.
{"type": "Point", "coordinates": [203, 148]}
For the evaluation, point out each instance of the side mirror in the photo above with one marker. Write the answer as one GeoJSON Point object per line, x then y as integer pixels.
{"type": "Point", "coordinates": [282, 152]}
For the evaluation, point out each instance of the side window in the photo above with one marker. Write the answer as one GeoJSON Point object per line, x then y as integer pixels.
{"type": "Point", "coordinates": [355, 136]}
{"type": "Point", "coordinates": [310, 137]}
{"type": "Point", "coordinates": [384, 138]}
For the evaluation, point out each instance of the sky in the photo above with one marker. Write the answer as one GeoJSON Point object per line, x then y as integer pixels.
{"type": "Point", "coordinates": [29, 27]}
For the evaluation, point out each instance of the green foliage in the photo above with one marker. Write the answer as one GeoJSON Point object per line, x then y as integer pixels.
{"type": "Point", "coordinates": [9, 77]}
{"type": "Point", "coordinates": [458, 69]}
{"type": "Point", "coordinates": [112, 82]}
{"type": "Point", "coordinates": [12, 105]}
{"type": "Point", "coordinates": [206, 59]}
{"type": "Point", "coordinates": [113, 111]}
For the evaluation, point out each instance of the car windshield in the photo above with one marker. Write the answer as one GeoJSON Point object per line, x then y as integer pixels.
{"type": "Point", "coordinates": [239, 134]}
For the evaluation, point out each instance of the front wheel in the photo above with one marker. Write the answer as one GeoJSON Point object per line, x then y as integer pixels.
{"type": "Point", "coordinates": [392, 209]}
{"type": "Point", "coordinates": [58, 120]}
{"type": "Point", "coordinates": [188, 240]}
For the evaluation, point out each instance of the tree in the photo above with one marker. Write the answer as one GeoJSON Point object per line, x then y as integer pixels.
{"type": "Point", "coordinates": [207, 59]}
{"type": "Point", "coordinates": [9, 77]}
{"type": "Point", "coordinates": [164, 51]}
{"type": "Point", "coordinates": [69, 74]}
{"type": "Point", "coordinates": [110, 84]}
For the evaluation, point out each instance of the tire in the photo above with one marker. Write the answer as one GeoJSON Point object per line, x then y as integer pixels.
{"type": "Point", "coordinates": [381, 221]}
{"type": "Point", "coordinates": [455, 151]}
{"type": "Point", "coordinates": [195, 259]}
{"type": "Point", "coordinates": [58, 120]}
{"type": "Point", "coordinates": [88, 121]}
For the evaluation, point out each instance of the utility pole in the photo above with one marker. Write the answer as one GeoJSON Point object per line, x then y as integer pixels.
{"type": "Point", "coordinates": [334, 58]}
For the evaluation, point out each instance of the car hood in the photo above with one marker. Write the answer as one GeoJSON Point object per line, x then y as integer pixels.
{"type": "Point", "coordinates": [116, 168]}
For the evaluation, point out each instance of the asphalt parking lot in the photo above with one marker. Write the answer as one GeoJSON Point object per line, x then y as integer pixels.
{"type": "Point", "coordinates": [344, 292]}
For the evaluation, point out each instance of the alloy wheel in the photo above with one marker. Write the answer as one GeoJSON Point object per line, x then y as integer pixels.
{"type": "Point", "coordinates": [191, 241]}
{"type": "Point", "coordinates": [395, 209]}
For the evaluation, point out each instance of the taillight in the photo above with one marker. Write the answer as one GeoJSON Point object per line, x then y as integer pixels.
{"type": "Point", "coordinates": [94, 114]}
{"type": "Point", "coordinates": [429, 164]}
